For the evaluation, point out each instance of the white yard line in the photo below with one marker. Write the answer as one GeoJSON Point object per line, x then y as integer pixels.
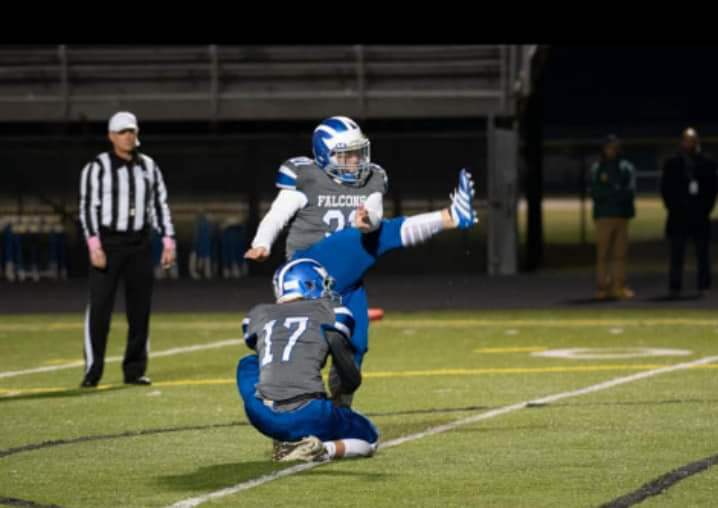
{"type": "Point", "coordinates": [166, 352]}
{"type": "Point", "coordinates": [195, 501]}
{"type": "Point", "coordinates": [389, 322]}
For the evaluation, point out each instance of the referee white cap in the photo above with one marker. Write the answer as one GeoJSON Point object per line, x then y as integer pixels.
{"type": "Point", "coordinates": [123, 120]}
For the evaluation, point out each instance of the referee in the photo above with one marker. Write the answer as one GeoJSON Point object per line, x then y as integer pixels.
{"type": "Point", "coordinates": [122, 195]}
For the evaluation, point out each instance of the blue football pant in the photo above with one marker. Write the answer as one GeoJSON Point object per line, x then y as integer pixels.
{"type": "Point", "coordinates": [317, 418]}
{"type": "Point", "coordinates": [356, 300]}
{"type": "Point", "coordinates": [347, 255]}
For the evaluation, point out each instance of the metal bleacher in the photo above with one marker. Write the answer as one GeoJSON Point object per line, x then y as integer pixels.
{"type": "Point", "coordinates": [218, 82]}
{"type": "Point", "coordinates": [54, 89]}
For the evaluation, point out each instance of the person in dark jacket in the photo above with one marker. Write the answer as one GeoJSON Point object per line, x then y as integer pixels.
{"type": "Point", "coordinates": [613, 185]}
{"type": "Point", "coordinates": [688, 188]}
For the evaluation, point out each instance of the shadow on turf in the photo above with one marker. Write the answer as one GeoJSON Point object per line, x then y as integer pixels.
{"type": "Point", "coordinates": [70, 392]}
{"type": "Point", "coordinates": [218, 476]}
{"type": "Point", "coordinates": [353, 474]}
{"type": "Point", "coordinates": [224, 475]}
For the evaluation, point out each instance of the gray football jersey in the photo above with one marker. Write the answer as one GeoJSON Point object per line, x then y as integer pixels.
{"type": "Point", "coordinates": [330, 205]}
{"type": "Point", "coordinates": [289, 340]}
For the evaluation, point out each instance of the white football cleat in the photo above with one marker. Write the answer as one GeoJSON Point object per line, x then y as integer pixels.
{"type": "Point", "coordinates": [462, 209]}
{"type": "Point", "coordinates": [307, 450]}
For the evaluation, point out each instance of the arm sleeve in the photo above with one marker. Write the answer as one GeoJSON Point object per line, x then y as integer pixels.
{"type": "Point", "coordinates": [628, 181]}
{"type": "Point", "coordinates": [667, 183]}
{"type": "Point", "coordinates": [90, 200]}
{"type": "Point", "coordinates": [343, 360]}
{"type": "Point", "coordinates": [162, 221]}
{"type": "Point", "coordinates": [600, 191]}
{"type": "Point", "coordinates": [250, 339]}
{"type": "Point", "coordinates": [375, 207]}
{"type": "Point", "coordinates": [285, 205]}
{"type": "Point", "coordinates": [712, 184]}
{"type": "Point", "coordinates": [338, 335]}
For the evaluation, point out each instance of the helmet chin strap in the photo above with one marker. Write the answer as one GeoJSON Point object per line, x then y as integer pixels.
{"type": "Point", "coordinates": [340, 177]}
{"type": "Point", "coordinates": [332, 295]}
{"type": "Point", "coordinates": [289, 298]}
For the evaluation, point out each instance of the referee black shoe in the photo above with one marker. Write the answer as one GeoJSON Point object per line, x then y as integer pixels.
{"type": "Point", "coordinates": [142, 381]}
{"type": "Point", "coordinates": [88, 383]}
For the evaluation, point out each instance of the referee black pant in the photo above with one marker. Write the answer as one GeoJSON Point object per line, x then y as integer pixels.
{"type": "Point", "coordinates": [678, 241]}
{"type": "Point", "coordinates": [129, 257]}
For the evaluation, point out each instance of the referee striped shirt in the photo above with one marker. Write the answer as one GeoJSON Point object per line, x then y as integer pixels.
{"type": "Point", "coordinates": [123, 196]}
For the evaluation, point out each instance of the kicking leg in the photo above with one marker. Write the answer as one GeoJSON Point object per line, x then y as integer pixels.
{"type": "Point", "coordinates": [356, 300]}
{"type": "Point", "coordinates": [359, 251]}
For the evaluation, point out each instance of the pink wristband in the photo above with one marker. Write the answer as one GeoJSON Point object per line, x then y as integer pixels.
{"type": "Point", "coordinates": [93, 243]}
{"type": "Point", "coordinates": [168, 242]}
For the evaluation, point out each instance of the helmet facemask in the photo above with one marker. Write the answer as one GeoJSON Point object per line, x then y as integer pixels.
{"type": "Point", "coordinates": [350, 162]}
{"type": "Point", "coordinates": [328, 290]}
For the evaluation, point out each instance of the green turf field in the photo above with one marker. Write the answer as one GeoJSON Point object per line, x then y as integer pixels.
{"type": "Point", "coordinates": [187, 437]}
{"type": "Point", "coordinates": [567, 247]}
{"type": "Point", "coordinates": [562, 220]}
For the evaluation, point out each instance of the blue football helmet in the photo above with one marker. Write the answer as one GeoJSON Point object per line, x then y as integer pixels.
{"type": "Point", "coordinates": [341, 149]}
{"type": "Point", "coordinates": [303, 278]}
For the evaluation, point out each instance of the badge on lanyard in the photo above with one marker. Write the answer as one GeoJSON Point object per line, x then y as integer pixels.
{"type": "Point", "coordinates": [693, 187]}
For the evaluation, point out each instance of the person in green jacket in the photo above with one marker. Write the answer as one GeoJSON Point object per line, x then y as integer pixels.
{"type": "Point", "coordinates": [613, 185]}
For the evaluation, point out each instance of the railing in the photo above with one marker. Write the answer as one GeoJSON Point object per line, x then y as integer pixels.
{"type": "Point", "coordinates": [235, 82]}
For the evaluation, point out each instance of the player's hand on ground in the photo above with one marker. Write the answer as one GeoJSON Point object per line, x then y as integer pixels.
{"type": "Point", "coordinates": [98, 258]}
{"type": "Point", "coordinates": [168, 258]}
{"type": "Point", "coordinates": [361, 219]}
{"type": "Point", "coordinates": [257, 254]}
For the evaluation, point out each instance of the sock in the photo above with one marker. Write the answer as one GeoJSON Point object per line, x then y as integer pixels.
{"type": "Point", "coordinates": [348, 448]}
{"type": "Point", "coordinates": [330, 448]}
{"type": "Point", "coordinates": [419, 228]}
{"type": "Point", "coordinates": [357, 448]}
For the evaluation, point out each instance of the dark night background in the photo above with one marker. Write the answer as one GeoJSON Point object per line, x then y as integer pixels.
{"type": "Point", "coordinates": [583, 92]}
{"type": "Point", "coordinates": [660, 87]}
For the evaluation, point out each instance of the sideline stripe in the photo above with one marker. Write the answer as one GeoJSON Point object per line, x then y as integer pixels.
{"type": "Point", "coordinates": [14, 392]}
{"type": "Point", "coordinates": [195, 501]}
{"type": "Point", "coordinates": [158, 354]}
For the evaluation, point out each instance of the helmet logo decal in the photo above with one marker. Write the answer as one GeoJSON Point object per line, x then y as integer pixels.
{"type": "Point", "coordinates": [303, 278]}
